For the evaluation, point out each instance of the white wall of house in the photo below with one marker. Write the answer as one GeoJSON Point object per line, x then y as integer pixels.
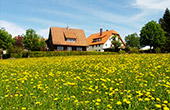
{"type": "Point", "coordinates": [108, 43]}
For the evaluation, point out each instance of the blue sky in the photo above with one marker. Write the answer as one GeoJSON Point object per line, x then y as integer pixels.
{"type": "Point", "coordinates": [123, 16]}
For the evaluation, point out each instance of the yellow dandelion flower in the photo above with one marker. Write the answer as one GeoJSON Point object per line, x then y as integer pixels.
{"type": "Point", "coordinates": [119, 103]}
{"type": "Point", "coordinates": [73, 96]}
{"type": "Point", "coordinates": [97, 103]}
{"type": "Point", "coordinates": [6, 95]}
{"type": "Point", "coordinates": [140, 99]}
{"type": "Point", "coordinates": [23, 108]}
{"type": "Point", "coordinates": [158, 99]}
{"type": "Point", "coordinates": [157, 106]}
{"type": "Point", "coordinates": [165, 101]}
{"type": "Point", "coordinates": [111, 99]}
{"type": "Point", "coordinates": [124, 100]}
{"type": "Point", "coordinates": [152, 98]}
{"type": "Point", "coordinates": [37, 103]}
{"type": "Point", "coordinates": [86, 102]}
{"type": "Point", "coordinates": [98, 100]}
{"type": "Point", "coordinates": [147, 99]}
{"type": "Point", "coordinates": [76, 101]}
{"type": "Point", "coordinates": [166, 108]}
{"type": "Point", "coordinates": [128, 102]}
{"type": "Point", "coordinates": [55, 99]}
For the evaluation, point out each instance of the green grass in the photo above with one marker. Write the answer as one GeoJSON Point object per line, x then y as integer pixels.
{"type": "Point", "coordinates": [86, 82]}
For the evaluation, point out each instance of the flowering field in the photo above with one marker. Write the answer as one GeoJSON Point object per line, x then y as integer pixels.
{"type": "Point", "coordinates": [86, 82]}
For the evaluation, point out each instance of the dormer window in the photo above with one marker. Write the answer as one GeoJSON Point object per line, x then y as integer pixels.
{"type": "Point", "coordinates": [70, 40]}
{"type": "Point", "coordinates": [70, 36]}
{"type": "Point", "coordinates": [97, 40]}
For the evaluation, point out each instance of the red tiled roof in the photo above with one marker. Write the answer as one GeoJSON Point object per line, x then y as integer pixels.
{"type": "Point", "coordinates": [60, 34]}
{"type": "Point", "coordinates": [105, 36]}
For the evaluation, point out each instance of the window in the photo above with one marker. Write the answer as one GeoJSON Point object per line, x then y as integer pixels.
{"type": "Point", "coordinates": [97, 40]}
{"type": "Point", "coordinates": [71, 40]}
{"type": "Point", "coordinates": [60, 48]}
{"type": "Point", "coordinates": [79, 48]}
{"type": "Point", "coordinates": [69, 48]}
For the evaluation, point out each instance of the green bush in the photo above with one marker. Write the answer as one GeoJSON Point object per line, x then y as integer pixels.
{"type": "Point", "coordinates": [122, 52]}
{"type": "Point", "coordinates": [133, 50]}
{"type": "Point", "coordinates": [16, 52]}
{"type": "Point", "coordinates": [66, 53]}
{"type": "Point", "coordinates": [157, 50]}
{"type": "Point", "coordinates": [16, 55]}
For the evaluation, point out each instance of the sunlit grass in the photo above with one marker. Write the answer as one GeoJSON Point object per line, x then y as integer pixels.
{"type": "Point", "coordinates": [86, 82]}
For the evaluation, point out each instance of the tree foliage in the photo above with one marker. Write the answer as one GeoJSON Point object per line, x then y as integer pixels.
{"type": "Point", "coordinates": [132, 40]}
{"type": "Point", "coordinates": [42, 44]}
{"type": "Point", "coordinates": [33, 41]}
{"type": "Point", "coordinates": [6, 40]}
{"type": "Point", "coordinates": [152, 35]}
{"type": "Point", "coordinates": [116, 44]}
{"type": "Point", "coordinates": [165, 24]}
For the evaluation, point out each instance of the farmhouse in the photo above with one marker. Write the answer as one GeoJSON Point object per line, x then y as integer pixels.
{"type": "Point", "coordinates": [102, 41]}
{"type": "Point", "coordinates": [67, 39]}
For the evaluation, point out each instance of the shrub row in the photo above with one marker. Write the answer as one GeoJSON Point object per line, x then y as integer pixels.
{"type": "Point", "coordinates": [53, 53]}
{"type": "Point", "coordinates": [66, 53]}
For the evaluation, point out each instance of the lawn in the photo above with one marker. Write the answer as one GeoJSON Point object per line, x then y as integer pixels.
{"type": "Point", "coordinates": [134, 82]}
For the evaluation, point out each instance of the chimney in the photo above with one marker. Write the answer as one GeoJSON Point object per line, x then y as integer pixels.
{"type": "Point", "coordinates": [101, 31]}
{"type": "Point", "coordinates": [67, 28]}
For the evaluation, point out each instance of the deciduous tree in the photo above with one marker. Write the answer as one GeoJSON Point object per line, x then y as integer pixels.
{"type": "Point", "coordinates": [31, 40]}
{"type": "Point", "coordinates": [6, 40]}
{"type": "Point", "coordinates": [152, 35]}
{"type": "Point", "coordinates": [132, 40]}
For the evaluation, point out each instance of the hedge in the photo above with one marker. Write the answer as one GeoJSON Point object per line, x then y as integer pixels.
{"type": "Point", "coordinates": [53, 53]}
{"type": "Point", "coordinates": [65, 53]}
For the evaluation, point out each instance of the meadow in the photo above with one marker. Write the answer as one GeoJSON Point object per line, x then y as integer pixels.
{"type": "Point", "coordinates": [134, 82]}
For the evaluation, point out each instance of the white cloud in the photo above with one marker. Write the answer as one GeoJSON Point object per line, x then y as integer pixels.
{"type": "Point", "coordinates": [152, 4]}
{"type": "Point", "coordinates": [15, 30]}
{"type": "Point", "coordinates": [43, 32]}
{"type": "Point", "coordinates": [12, 28]}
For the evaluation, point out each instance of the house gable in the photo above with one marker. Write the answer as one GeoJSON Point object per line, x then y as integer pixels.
{"type": "Point", "coordinates": [102, 40]}
{"type": "Point", "coordinates": [66, 39]}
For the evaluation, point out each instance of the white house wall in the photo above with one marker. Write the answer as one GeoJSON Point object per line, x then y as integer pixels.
{"type": "Point", "coordinates": [108, 43]}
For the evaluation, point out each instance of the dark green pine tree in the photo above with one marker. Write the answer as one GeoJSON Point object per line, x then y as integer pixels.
{"type": "Point", "coordinates": [165, 25]}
